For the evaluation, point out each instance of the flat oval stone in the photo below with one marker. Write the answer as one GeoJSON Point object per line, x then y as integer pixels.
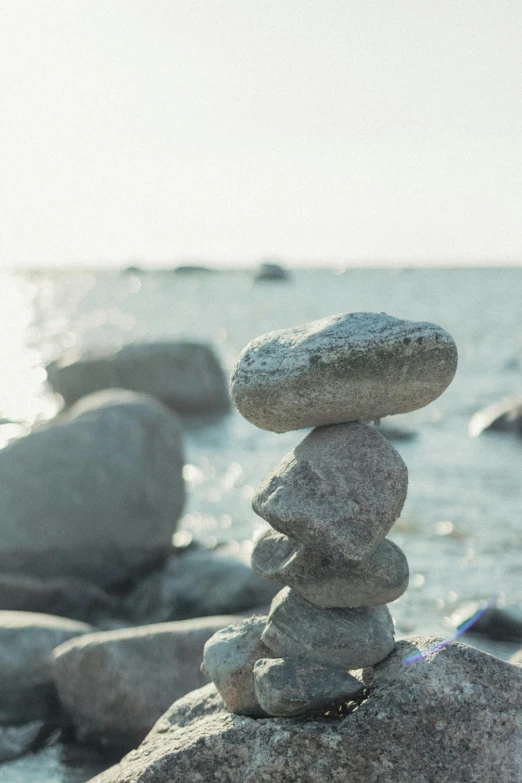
{"type": "Point", "coordinates": [229, 657]}
{"type": "Point", "coordinates": [338, 492]}
{"type": "Point", "coordinates": [348, 367]}
{"type": "Point", "coordinates": [351, 638]}
{"type": "Point", "coordinates": [381, 578]}
{"type": "Point", "coordinates": [289, 686]}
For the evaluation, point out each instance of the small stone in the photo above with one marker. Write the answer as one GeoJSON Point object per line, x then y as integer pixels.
{"type": "Point", "coordinates": [348, 367]}
{"type": "Point", "coordinates": [229, 658]}
{"type": "Point", "coordinates": [338, 492]}
{"type": "Point", "coordinates": [351, 638]}
{"type": "Point", "coordinates": [379, 579]}
{"type": "Point", "coordinates": [289, 686]}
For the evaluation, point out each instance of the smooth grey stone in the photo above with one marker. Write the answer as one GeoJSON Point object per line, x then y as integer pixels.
{"type": "Point", "coordinates": [289, 686]}
{"type": "Point", "coordinates": [185, 376]}
{"type": "Point", "coordinates": [348, 367]}
{"type": "Point", "coordinates": [27, 640]}
{"type": "Point", "coordinates": [114, 685]}
{"type": "Point", "coordinates": [268, 271]}
{"type": "Point", "coordinates": [229, 658]}
{"type": "Point", "coordinates": [351, 638]}
{"type": "Point", "coordinates": [95, 496]}
{"type": "Point", "coordinates": [15, 741]}
{"type": "Point", "coordinates": [338, 492]}
{"type": "Point", "coordinates": [455, 716]}
{"type": "Point", "coordinates": [504, 416]}
{"type": "Point", "coordinates": [380, 579]}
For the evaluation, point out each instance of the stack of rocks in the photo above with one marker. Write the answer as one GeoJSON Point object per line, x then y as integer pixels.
{"type": "Point", "coordinates": [331, 502]}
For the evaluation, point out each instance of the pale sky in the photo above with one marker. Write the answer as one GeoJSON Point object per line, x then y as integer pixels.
{"type": "Point", "coordinates": [154, 131]}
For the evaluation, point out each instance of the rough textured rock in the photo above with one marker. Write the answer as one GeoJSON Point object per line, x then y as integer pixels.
{"type": "Point", "coordinates": [27, 641]}
{"type": "Point", "coordinates": [338, 492]}
{"type": "Point", "coordinates": [197, 583]}
{"type": "Point", "coordinates": [229, 658]}
{"type": "Point", "coordinates": [354, 366]}
{"type": "Point", "coordinates": [505, 416]}
{"type": "Point", "coordinates": [96, 496]}
{"type": "Point", "coordinates": [185, 376]}
{"type": "Point", "coordinates": [289, 686]}
{"type": "Point", "coordinates": [454, 716]}
{"type": "Point", "coordinates": [65, 597]}
{"type": "Point", "coordinates": [15, 741]}
{"type": "Point", "coordinates": [350, 638]}
{"type": "Point", "coordinates": [379, 579]}
{"type": "Point", "coordinates": [115, 685]}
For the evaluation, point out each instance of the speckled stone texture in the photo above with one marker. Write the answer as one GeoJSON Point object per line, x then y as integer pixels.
{"type": "Point", "coordinates": [229, 658]}
{"type": "Point", "coordinates": [338, 492]}
{"type": "Point", "coordinates": [290, 686]}
{"type": "Point", "coordinates": [379, 579]}
{"type": "Point", "coordinates": [351, 638]}
{"type": "Point", "coordinates": [348, 367]}
{"type": "Point", "coordinates": [454, 717]}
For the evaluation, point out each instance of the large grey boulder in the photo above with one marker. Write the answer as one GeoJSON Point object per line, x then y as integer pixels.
{"type": "Point", "coordinates": [338, 492]}
{"type": "Point", "coordinates": [27, 640]}
{"type": "Point", "coordinates": [185, 376]}
{"type": "Point", "coordinates": [454, 716]}
{"type": "Point", "coordinates": [114, 685]}
{"type": "Point", "coordinates": [351, 638]}
{"type": "Point", "coordinates": [96, 496]}
{"type": "Point", "coordinates": [354, 366]}
{"type": "Point", "coordinates": [198, 583]}
{"type": "Point", "coordinates": [380, 579]}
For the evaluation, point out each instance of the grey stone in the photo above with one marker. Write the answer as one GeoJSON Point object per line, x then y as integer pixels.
{"type": "Point", "coordinates": [114, 685]}
{"type": "Point", "coordinates": [185, 376]}
{"type": "Point", "coordinates": [27, 641]}
{"type": "Point", "coordinates": [504, 416]}
{"type": "Point", "coordinates": [197, 583]}
{"type": "Point", "coordinates": [15, 741]}
{"type": "Point", "coordinates": [381, 578]}
{"type": "Point", "coordinates": [289, 686]}
{"type": "Point", "coordinates": [96, 496]}
{"type": "Point", "coordinates": [229, 659]}
{"type": "Point", "coordinates": [497, 623]}
{"type": "Point", "coordinates": [348, 367]}
{"type": "Point", "coordinates": [454, 716]}
{"type": "Point", "coordinates": [338, 492]}
{"type": "Point", "coordinates": [271, 271]}
{"type": "Point", "coordinates": [351, 638]}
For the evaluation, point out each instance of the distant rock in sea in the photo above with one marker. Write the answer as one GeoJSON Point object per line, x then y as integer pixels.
{"type": "Point", "coordinates": [505, 416]}
{"type": "Point", "coordinates": [271, 271]}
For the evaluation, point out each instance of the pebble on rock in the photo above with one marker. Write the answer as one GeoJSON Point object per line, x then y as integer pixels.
{"type": "Point", "coordinates": [348, 367]}
{"type": "Point", "coordinates": [289, 686]}
{"type": "Point", "coordinates": [229, 658]}
{"type": "Point", "coordinates": [379, 579]}
{"type": "Point", "coordinates": [351, 638]}
{"type": "Point", "coordinates": [338, 492]}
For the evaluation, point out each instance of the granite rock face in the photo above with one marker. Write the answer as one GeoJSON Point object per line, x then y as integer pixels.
{"type": "Point", "coordinates": [27, 640]}
{"type": "Point", "coordinates": [96, 496]}
{"type": "Point", "coordinates": [338, 492]}
{"type": "Point", "coordinates": [229, 658]}
{"type": "Point", "coordinates": [288, 686]}
{"type": "Point", "coordinates": [350, 638]}
{"type": "Point", "coordinates": [348, 367]}
{"type": "Point", "coordinates": [455, 715]}
{"type": "Point", "coordinates": [379, 579]}
{"type": "Point", "coordinates": [184, 376]}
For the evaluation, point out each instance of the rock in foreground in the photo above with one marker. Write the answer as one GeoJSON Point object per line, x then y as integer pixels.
{"type": "Point", "coordinates": [454, 716]}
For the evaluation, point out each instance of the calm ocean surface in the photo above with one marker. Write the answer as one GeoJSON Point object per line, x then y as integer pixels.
{"type": "Point", "coordinates": [461, 527]}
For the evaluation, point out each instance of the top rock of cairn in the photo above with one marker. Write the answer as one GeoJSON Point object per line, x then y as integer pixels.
{"type": "Point", "coordinates": [348, 367]}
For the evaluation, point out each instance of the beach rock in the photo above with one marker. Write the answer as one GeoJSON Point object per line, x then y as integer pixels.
{"type": "Point", "coordinates": [15, 741]}
{"type": "Point", "coordinates": [499, 624]}
{"type": "Point", "coordinates": [228, 659]}
{"type": "Point", "coordinates": [114, 685]}
{"type": "Point", "coordinates": [185, 376]}
{"type": "Point", "coordinates": [96, 496]}
{"type": "Point", "coordinates": [455, 715]}
{"type": "Point", "coordinates": [379, 579]}
{"type": "Point", "coordinates": [65, 597]}
{"type": "Point", "coordinates": [505, 416]}
{"type": "Point", "coordinates": [198, 583]}
{"type": "Point", "coordinates": [351, 638]}
{"type": "Point", "coordinates": [27, 641]}
{"type": "Point", "coordinates": [289, 686]}
{"type": "Point", "coordinates": [270, 271]}
{"type": "Point", "coordinates": [338, 492]}
{"type": "Point", "coordinates": [349, 367]}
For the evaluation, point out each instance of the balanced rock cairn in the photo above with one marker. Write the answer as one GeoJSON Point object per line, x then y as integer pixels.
{"type": "Point", "coordinates": [331, 502]}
